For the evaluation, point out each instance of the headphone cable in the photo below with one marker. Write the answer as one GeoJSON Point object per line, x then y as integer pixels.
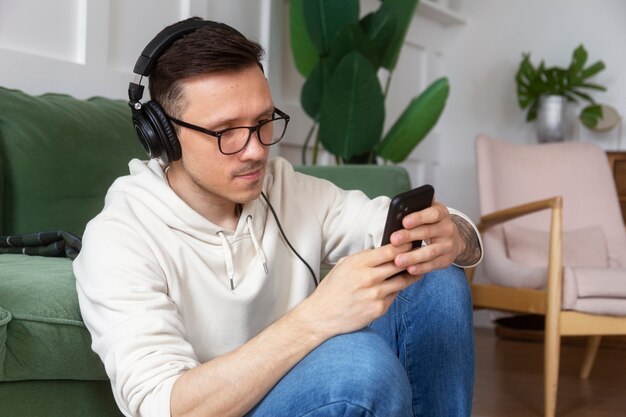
{"type": "Point", "coordinates": [282, 232]}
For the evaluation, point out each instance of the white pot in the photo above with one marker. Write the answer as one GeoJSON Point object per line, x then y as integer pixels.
{"type": "Point", "coordinates": [550, 118]}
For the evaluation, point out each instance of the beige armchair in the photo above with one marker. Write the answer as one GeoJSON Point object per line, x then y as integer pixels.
{"type": "Point", "coordinates": [554, 243]}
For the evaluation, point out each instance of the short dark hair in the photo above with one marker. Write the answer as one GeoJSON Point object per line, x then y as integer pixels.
{"type": "Point", "coordinates": [209, 49]}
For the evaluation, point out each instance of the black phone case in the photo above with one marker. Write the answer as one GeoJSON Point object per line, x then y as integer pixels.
{"type": "Point", "coordinates": [405, 203]}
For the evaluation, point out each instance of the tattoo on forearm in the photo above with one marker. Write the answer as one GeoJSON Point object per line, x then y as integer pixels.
{"type": "Point", "coordinates": [471, 254]}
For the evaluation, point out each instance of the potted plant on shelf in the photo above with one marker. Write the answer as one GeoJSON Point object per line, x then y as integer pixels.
{"type": "Point", "coordinates": [543, 91]}
{"type": "Point", "coordinates": [340, 54]}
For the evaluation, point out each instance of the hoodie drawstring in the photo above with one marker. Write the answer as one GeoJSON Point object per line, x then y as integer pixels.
{"type": "Point", "coordinates": [228, 254]}
{"type": "Point", "coordinates": [258, 248]}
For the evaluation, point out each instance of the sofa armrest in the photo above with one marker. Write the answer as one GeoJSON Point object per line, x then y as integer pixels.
{"type": "Point", "coordinates": [373, 180]}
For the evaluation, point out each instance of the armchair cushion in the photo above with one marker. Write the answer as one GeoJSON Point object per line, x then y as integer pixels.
{"type": "Point", "coordinates": [595, 290]}
{"type": "Point", "coordinates": [581, 247]}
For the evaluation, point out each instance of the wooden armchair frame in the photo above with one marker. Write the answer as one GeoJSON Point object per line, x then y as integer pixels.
{"type": "Point", "coordinates": [547, 302]}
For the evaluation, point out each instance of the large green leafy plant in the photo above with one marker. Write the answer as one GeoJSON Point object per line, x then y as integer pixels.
{"type": "Point", "coordinates": [340, 55]}
{"type": "Point", "coordinates": [571, 82]}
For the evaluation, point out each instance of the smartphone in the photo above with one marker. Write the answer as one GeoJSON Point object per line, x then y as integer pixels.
{"type": "Point", "coordinates": [405, 203]}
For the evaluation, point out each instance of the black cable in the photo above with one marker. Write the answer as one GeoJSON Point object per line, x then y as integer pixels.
{"type": "Point", "coordinates": [282, 232]}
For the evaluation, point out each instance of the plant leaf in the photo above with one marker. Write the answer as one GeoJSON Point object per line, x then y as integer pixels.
{"type": "Point", "coordinates": [314, 87]}
{"type": "Point", "coordinates": [555, 81]}
{"type": "Point", "coordinates": [570, 97]}
{"type": "Point", "coordinates": [351, 38]}
{"type": "Point", "coordinates": [305, 54]}
{"type": "Point", "coordinates": [402, 11]}
{"type": "Point", "coordinates": [591, 115]}
{"type": "Point", "coordinates": [352, 111]}
{"type": "Point", "coordinates": [379, 26]}
{"type": "Point", "coordinates": [526, 75]}
{"type": "Point", "coordinates": [582, 95]}
{"type": "Point", "coordinates": [324, 19]}
{"type": "Point", "coordinates": [311, 93]}
{"type": "Point", "coordinates": [591, 86]}
{"type": "Point", "coordinates": [579, 58]}
{"type": "Point", "coordinates": [592, 70]}
{"type": "Point", "coordinates": [532, 111]}
{"type": "Point", "coordinates": [415, 122]}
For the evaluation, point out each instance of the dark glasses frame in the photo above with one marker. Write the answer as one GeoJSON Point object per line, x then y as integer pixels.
{"type": "Point", "coordinates": [252, 129]}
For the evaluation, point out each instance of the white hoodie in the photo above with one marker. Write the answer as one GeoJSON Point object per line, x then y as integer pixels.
{"type": "Point", "coordinates": [162, 289]}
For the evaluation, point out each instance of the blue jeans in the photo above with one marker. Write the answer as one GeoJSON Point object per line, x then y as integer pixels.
{"type": "Point", "coordinates": [416, 360]}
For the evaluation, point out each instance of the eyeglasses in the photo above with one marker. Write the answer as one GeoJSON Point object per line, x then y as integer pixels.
{"type": "Point", "coordinates": [234, 139]}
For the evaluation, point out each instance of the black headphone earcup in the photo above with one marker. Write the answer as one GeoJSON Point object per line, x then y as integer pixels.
{"type": "Point", "coordinates": [146, 134]}
{"type": "Point", "coordinates": [155, 132]}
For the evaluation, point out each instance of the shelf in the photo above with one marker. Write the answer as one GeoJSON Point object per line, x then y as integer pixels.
{"type": "Point", "coordinates": [432, 10]}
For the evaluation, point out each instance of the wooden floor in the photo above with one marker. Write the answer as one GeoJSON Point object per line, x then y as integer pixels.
{"type": "Point", "coordinates": [509, 380]}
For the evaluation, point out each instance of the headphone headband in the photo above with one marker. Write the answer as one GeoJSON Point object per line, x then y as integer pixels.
{"type": "Point", "coordinates": [163, 40]}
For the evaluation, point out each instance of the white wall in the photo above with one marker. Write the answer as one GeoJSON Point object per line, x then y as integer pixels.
{"type": "Point", "coordinates": [89, 47]}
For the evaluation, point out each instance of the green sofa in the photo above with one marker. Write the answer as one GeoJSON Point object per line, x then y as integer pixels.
{"type": "Point", "coordinates": [58, 156]}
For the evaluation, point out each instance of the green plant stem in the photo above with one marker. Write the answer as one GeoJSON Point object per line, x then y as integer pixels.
{"type": "Point", "coordinates": [316, 148]}
{"type": "Point", "coordinates": [387, 84]}
{"type": "Point", "coordinates": [306, 142]}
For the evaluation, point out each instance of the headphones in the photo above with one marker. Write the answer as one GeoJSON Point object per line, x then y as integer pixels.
{"type": "Point", "coordinates": [151, 123]}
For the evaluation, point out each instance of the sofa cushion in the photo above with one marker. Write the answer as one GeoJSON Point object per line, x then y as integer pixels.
{"type": "Point", "coordinates": [58, 398]}
{"type": "Point", "coordinates": [42, 335]}
{"type": "Point", "coordinates": [59, 155]}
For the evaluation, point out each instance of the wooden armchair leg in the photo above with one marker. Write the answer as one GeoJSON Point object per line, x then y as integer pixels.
{"type": "Point", "coordinates": [593, 343]}
{"type": "Point", "coordinates": [552, 350]}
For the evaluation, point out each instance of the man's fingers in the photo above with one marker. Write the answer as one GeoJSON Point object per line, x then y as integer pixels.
{"type": "Point", "coordinates": [425, 224]}
{"type": "Point", "coordinates": [384, 271]}
{"type": "Point", "coordinates": [419, 233]}
{"type": "Point", "coordinates": [382, 255]}
{"type": "Point", "coordinates": [430, 215]}
{"type": "Point", "coordinates": [424, 254]}
{"type": "Point", "coordinates": [396, 284]}
{"type": "Point", "coordinates": [425, 267]}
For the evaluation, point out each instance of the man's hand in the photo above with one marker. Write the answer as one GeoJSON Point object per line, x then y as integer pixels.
{"type": "Point", "coordinates": [445, 243]}
{"type": "Point", "coordinates": [357, 290]}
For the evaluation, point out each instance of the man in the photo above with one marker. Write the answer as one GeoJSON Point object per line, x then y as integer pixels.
{"type": "Point", "coordinates": [198, 306]}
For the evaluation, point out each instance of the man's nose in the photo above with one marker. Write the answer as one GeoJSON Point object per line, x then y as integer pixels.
{"type": "Point", "coordinates": [254, 149]}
